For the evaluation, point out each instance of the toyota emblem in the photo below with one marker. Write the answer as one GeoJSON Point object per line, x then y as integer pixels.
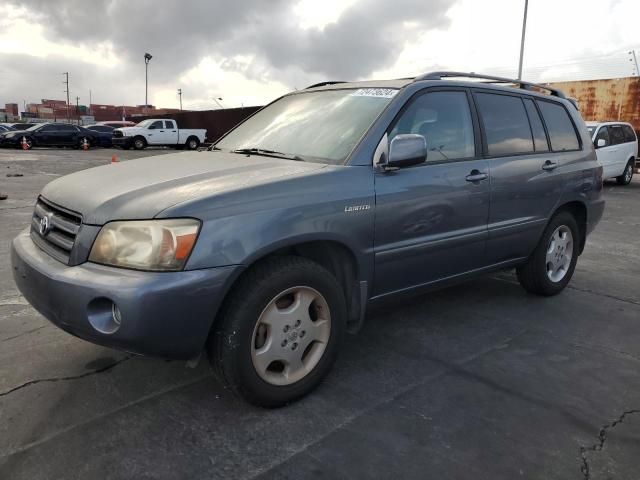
{"type": "Point", "coordinates": [45, 226]}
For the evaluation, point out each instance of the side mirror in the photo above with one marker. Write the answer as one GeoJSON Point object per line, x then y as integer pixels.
{"type": "Point", "coordinates": [406, 150]}
{"type": "Point", "coordinates": [601, 143]}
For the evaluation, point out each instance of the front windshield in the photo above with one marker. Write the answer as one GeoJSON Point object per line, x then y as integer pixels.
{"type": "Point", "coordinates": [144, 123]}
{"type": "Point", "coordinates": [591, 130]}
{"type": "Point", "coordinates": [35, 127]}
{"type": "Point", "coordinates": [322, 125]}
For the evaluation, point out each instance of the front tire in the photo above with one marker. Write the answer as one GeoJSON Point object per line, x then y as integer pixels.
{"type": "Point", "coordinates": [139, 143]}
{"type": "Point", "coordinates": [550, 268]}
{"type": "Point", "coordinates": [279, 331]}
{"type": "Point", "coordinates": [627, 175]}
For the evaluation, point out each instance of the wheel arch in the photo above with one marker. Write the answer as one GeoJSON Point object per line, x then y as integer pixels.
{"type": "Point", "coordinates": [579, 211]}
{"type": "Point", "coordinates": [335, 256]}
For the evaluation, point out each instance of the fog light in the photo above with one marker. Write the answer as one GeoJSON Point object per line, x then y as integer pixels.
{"type": "Point", "coordinates": [104, 315]}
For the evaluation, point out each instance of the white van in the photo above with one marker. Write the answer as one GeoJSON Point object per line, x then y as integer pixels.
{"type": "Point", "coordinates": [617, 149]}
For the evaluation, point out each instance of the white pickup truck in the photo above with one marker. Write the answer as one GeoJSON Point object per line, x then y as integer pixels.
{"type": "Point", "coordinates": [158, 132]}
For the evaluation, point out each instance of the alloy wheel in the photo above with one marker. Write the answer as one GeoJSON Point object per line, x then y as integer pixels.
{"type": "Point", "coordinates": [290, 336]}
{"type": "Point", "coordinates": [559, 253]}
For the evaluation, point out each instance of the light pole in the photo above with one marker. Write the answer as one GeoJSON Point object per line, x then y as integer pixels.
{"type": "Point", "coordinates": [147, 59]}
{"type": "Point", "coordinates": [215, 99]}
{"type": "Point", "coordinates": [180, 95]}
{"type": "Point", "coordinates": [524, 31]}
{"type": "Point", "coordinates": [634, 59]}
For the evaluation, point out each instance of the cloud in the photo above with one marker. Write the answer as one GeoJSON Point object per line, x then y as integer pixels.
{"type": "Point", "coordinates": [365, 37]}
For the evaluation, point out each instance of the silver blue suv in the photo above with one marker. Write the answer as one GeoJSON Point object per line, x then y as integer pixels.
{"type": "Point", "coordinates": [267, 248]}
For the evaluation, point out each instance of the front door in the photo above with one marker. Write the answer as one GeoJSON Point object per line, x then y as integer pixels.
{"type": "Point", "coordinates": [431, 219]}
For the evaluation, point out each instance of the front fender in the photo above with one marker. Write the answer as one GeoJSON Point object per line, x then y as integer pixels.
{"type": "Point", "coordinates": [244, 226]}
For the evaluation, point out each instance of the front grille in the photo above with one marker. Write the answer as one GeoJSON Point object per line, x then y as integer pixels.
{"type": "Point", "coordinates": [57, 234]}
{"type": "Point", "coordinates": [117, 134]}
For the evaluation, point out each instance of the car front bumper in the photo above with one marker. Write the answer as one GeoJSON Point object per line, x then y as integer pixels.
{"type": "Point", "coordinates": [165, 314]}
{"type": "Point", "coordinates": [126, 142]}
{"type": "Point", "coordinates": [10, 142]}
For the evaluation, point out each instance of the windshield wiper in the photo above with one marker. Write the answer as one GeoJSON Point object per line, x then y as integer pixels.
{"type": "Point", "coordinates": [267, 153]}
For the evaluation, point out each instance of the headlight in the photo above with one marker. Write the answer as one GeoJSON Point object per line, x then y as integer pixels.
{"type": "Point", "coordinates": [162, 245]}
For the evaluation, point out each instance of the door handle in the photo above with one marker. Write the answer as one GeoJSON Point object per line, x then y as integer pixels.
{"type": "Point", "coordinates": [476, 176]}
{"type": "Point", "coordinates": [549, 165]}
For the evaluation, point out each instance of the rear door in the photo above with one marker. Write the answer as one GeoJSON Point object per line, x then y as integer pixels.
{"type": "Point", "coordinates": [525, 182]}
{"type": "Point", "coordinates": [431, 218]}
{"type": "Point", "coordinates": [66, 135]}
{"type": "Point", "coordinates": [170, 134]}
{"type": "Point", "coordinates": [619, 156]}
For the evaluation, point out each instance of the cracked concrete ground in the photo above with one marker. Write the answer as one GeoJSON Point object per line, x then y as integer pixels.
{"type": "Point", "coordinates": [476, 381]}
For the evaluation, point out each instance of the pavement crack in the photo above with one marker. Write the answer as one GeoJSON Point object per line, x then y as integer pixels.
{"type": "Point", "coordinates": [602, 438]}
{"type": "Point", "coordinates": [613, 297]}
{"type": "Point", "coordinates": [24, 333]}
{"type": "Point", "coordinates": [62, 379]}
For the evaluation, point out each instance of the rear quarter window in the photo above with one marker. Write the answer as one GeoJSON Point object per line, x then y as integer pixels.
{"type": "Point", "coordinates": [562, 133]}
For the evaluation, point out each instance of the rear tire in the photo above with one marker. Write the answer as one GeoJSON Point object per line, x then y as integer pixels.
{"type": "Point", "coordinates": [627, 175]}
{"type": "Point", "coordinates": [548, 270]}
{"type": "Point", "coordinates": [255, 324]}
{"type": "Point", "coordinates": [192, 143]}
{"type": "Point", "coordinates": [139, 143]}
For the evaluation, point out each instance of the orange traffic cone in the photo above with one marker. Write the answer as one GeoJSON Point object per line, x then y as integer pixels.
{"type": "Point", "coordinates": [85, 144]}
{"type": "Point", "coordinates": [25, 146]}
{"type": "Point", "coordinates": [114, 159]}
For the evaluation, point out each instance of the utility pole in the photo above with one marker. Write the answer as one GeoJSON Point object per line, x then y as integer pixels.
{"type": "Point", "coordinates": [524, 31]}
{"type": "Point", "coordinates": [66, 82]}
{"type": "Point", "coordinates": [634, 59]}
{"type": "Point", "coordinates": [147, 59]}
{"type": "Point", "coordinates": [180, 95]}
{"type": "Point", "coordinates": [78, 109]}
{"type": "Point", "coordinates": [90, 102]}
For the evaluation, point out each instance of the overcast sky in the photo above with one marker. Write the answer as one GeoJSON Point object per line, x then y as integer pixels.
{"type": "Point", "coordinates": [251, 51]}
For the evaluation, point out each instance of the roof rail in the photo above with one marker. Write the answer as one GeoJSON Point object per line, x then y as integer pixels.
{"type": "Point", "coordinates": [322, 84]}
{"type": "Point", "coordinates": [524, 85]}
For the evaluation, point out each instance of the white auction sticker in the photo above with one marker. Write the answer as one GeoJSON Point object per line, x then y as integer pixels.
{"type": "Point", "coordinates": [375, 92]}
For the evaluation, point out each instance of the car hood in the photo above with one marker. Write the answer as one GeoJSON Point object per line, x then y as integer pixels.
{"type": "Point", "coordinates": [140, 189]}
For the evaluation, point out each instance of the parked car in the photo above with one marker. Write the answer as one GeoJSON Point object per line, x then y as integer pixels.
{"type": "Point", "coordinates": [267, 248]}
{"type": "Point", "coordinates": [617, 149]}
{"type": "Point", "coordinates": [49, 135]}
{"type": "Point", "coordinates": [158, 132]}
{"type": "Point", "coordinates": [117, 124]}
{"type": "Point", "coordinates": [102, 134]}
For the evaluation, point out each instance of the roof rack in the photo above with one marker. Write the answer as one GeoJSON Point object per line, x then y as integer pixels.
{"type": "Point", "coordinates": [524, 85]}
{"type": "Point", "coordinates": [322, 84]}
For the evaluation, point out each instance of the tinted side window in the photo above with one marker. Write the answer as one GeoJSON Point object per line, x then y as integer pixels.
{"type": "Point", "coordinates": [560, 127]}
{"type": "Point", "coordinates": [616, 134]}
{"type": "Point", "coordinates": [168, 124]}
{"type": "Point", "coordinates": [157, 124]}
{"type": "Point", "coordinates": [629, 134]}
{"type": "Point", "coordinates": [539, 136]}
{"type": "Point", "coordinates": [603, 134]}
{"type": "Point", "coordinates": [66, 128]}
{"type": "Point", "coordinates": [444, 119]}
{"type": "Point", "coordinates": [506, 124]}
